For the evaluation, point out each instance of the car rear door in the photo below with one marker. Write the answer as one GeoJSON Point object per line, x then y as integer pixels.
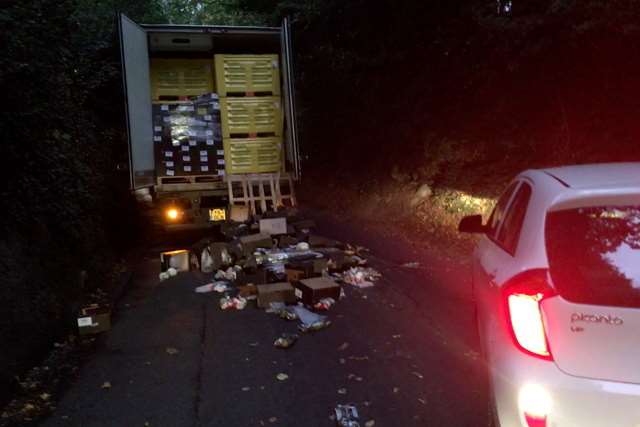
{"type": "Point", "coordinates": [593, 326]}
{"type": "Point", "coordinates": [496, 252]}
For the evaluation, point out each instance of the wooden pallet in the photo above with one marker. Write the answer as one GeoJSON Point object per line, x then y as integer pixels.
{"type": "Point", "coordinates": [188, 179]}
{"type": "Point", "coordinates": [263, 190]}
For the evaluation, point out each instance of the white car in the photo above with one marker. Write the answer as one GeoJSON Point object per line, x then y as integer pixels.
{"type": "Point", "coordinates": [556, 280]}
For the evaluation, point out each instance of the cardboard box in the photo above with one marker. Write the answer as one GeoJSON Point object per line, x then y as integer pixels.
{"type": "Point", "coordinates": [336, 256]}
{"type": "Point", "coordinates": [254, 241]}
{"type": "Point", "coordinates": [177, 259]}
{"type": "Point", "coordinates": [310, 291]}
{"type": "Point", "coordinates": [322, 242]}
{"type": "Point", "coordinates": [275, 292]}
{"type": "Point", "coordinates": [239, 213]}
{"type": "Point", "coordinates": [286, 241]}
{"type": "Point", "coordinates": [94, 319]}
{"type": "Point", "coordinates": [311, 267]}
{"type": "Point", "coordinates": [273, 226]}
{"type": "Point", "coordinates": [248, 291]}
{"type": "Point", "coordinates": [295, 275]}
{"type": "Point", "coordinates": [255, 277]}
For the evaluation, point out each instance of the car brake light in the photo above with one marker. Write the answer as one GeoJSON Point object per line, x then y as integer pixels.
{"type": "Point", "coordinates": [523, 295]}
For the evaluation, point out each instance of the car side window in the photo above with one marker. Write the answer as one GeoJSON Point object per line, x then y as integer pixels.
{"type": "Point", "coordinates": [509, 233]}
{"type": "Point", "coordinates": [498, 212]}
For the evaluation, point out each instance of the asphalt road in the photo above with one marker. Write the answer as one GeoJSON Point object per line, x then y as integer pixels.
{"type": "Point", "coordinates": [403, 352]}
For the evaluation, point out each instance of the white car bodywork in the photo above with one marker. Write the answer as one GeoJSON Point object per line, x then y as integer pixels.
{"type": "Point", "coordinates": [592, 375]}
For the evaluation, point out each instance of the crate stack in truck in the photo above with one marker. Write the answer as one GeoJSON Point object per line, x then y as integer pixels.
{"type": "Point", "coordinates": [251, 111]}
{"type": "Point", "coordinates": [205, 103]}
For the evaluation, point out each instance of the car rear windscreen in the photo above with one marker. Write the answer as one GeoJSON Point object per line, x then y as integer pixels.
{"type": "Point", "coordinates": [594, 254]}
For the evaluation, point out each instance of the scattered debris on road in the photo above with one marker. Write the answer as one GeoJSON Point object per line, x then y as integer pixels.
{"type": "Point", "coordinates": [172, 351]}
{"type": "Point", "coordinates": [286, 341]}
{"type": "Point", "coordinates": [232, 303]}
{"type": "Point", "coordinates": [413, 264]}
{"type": "Point", "coordinates": [346, 416]}
{"type": "Point", "coordinates": [360, 277]}
{"type": "Point", "coordinates": [282, 377]}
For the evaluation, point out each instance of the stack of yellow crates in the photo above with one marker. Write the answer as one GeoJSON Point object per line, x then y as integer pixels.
{"type": "Point", "coordinates": [174, 79]}
{"type": "Point", "coordinates": [251, 112]}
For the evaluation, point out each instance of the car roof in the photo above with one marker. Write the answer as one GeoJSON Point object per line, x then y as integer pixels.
{"type": "Point", "coordinates": [597, 175]}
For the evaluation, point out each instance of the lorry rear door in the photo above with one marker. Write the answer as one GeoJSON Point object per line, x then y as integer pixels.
{"type": "Point", "coordinates": [135, 76]}
{"type": "Point", "coordinates": [291, 133]}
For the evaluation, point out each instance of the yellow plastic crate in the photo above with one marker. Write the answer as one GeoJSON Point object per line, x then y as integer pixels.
{"type": "Point", "coordinates": [251, 115]}
{"type": "Point", "coordinates": [180, 77]}
{"type": "Point", "coordinates": [252, 155]}
{"type": "Point", "coordinates": [247, 73]}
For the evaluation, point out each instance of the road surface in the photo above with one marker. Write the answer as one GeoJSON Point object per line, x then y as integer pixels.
{"type": "Point", "coordinates": [403, 352]}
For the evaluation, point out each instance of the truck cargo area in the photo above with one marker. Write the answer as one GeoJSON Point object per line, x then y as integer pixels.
{"type": "Point", "coordinates": [206, 105]}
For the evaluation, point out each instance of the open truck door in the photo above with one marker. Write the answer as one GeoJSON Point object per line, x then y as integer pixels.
{"type": "Point", "coordinates": [135, 77]}
{"type": "Point", "coordinates": [291, 128]}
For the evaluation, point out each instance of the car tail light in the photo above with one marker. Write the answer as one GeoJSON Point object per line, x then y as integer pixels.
{"type": "Point", "coordinates": [523, 295]}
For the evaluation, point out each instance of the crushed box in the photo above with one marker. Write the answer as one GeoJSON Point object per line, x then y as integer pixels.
{"type": "Point", "coordinates": [275, 292]}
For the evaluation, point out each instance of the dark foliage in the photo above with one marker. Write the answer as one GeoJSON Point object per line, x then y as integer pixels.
{"type": "Point", "coordinates": [452, 83]}
{"type": "Point", "coordinates": [66, 209]}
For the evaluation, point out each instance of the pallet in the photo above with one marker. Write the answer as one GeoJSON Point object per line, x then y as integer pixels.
{"type": "Point", "coordinates": [188, 179]}
{"type": "Point", "coordinates": [240, 94]}
{"type": "Point", "coordinates": [268, 188]}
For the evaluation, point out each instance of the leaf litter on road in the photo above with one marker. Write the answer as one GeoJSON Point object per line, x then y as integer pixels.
{"type": "Point", "coordinates": [343, 346]}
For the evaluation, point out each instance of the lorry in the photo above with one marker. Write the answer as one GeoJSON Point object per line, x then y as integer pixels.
{"type": "Point", "coordinates": [201, 200]}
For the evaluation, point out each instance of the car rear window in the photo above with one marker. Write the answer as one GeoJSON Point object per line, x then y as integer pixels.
{"type": "Point", "coordinates": [594, 254]}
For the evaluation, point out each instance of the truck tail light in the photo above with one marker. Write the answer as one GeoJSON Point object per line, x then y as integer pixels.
{"type": "Point", "coordinates": [523, 295]}
{"type": "Point", "coordinates": [173, 213]}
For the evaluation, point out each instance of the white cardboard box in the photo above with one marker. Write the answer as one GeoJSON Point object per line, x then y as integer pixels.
{"type": "Point", "coordinates": [273, 226]}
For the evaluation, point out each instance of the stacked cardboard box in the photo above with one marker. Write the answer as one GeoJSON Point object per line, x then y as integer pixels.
{"type": "Point", "coordinates": [188, 137]}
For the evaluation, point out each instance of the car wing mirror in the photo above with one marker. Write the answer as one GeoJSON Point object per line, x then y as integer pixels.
{"type": "Point", "coordinates": [472, 224]}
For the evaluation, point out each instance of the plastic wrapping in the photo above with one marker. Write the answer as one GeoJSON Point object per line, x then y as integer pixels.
{"type": "Point", "coordinates": [183, 131]}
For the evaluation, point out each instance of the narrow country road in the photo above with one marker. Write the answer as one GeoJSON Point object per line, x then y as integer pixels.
{"type": "Point", "coordinates": [403, 352]}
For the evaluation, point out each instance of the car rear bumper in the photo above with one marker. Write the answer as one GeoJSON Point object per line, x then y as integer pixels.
{"type": "Point", "coordinates": [575, 402]}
